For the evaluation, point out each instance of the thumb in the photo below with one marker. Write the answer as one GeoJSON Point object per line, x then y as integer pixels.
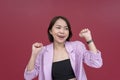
{"type": "Point", "coordinates": [80, 34]}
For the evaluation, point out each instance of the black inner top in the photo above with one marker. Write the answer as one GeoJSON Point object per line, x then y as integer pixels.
{"type": "Point", "coordinates": [62, 70]}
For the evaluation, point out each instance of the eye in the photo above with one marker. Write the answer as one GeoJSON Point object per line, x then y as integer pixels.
{"type": "Point", "coordinates": [66, 28]}
{"type": "Point", "coordinates": [58, 27]}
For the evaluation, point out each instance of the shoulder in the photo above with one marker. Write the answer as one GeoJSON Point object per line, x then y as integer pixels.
{"type": "Point", "coordinates": [75, 43]}
{"type": "Point", "coordinates": [47, 47]}
{"type": "Point", "coordinates": [76, 46]}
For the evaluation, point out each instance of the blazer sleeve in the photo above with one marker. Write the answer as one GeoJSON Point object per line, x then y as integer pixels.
{"type": "Point", "coordinates": [29, 75]}
{"type": "Point", "coordinates": [88, 57]}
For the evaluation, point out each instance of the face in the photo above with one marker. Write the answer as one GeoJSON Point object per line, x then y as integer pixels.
{"type": "Point", "coordinates": [60, 31]}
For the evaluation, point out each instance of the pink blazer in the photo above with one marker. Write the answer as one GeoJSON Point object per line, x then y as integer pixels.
{"type": "Point", "coordinates": [77, 54]}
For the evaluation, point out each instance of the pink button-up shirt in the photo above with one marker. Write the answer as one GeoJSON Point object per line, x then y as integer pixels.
{"type": "Point", "coordinates": [77, 54]}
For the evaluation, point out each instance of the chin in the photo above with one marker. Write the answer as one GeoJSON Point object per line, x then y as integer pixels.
{"type": "Point", "coordinates": [62, 41]}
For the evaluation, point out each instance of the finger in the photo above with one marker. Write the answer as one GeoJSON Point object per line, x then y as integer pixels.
{"type": "Point", "coordinates": [37, 45]}
{"type": "Point", "coordinates": [40, 44]}
{"type": "Point", "coordinates": [81, 34]}
{"type": "Point", "coordinates": [84, 30]}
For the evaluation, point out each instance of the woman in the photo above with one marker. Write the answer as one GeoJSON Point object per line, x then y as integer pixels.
{"type": "Point", "coordinates": [62, 59]}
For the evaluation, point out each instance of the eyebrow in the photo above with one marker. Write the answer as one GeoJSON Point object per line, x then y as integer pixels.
{"type": "Point", "coordinates": [60, 25]}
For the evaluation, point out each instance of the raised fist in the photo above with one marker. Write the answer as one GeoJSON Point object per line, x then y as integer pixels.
{"type": "Point", "coordinates": [85, 33]}
{"type": "Point", "coordinates": [36, 48]}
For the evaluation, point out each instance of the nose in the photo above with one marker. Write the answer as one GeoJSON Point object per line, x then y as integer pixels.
{"type": "Point", "coordinates": [62, 30]}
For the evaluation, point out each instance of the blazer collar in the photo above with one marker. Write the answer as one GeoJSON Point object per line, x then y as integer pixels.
{"type": "Point", "coordinates": [68, 47]}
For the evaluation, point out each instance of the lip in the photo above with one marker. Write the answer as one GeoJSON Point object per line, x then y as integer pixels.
{"type": "Point", "coordinates": [61, 37]}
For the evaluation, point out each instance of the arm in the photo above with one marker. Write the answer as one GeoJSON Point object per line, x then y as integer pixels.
{"type": "Point", "coordinates": [31, 62]}
{"type": "Point", "coordinates": [32, 67]}
{"type": "Point", "coordinates": [86, 33]}
{"type": "Point", "coordinates": [92, 57]}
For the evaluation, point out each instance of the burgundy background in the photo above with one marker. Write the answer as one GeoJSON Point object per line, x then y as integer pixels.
{"type": "Point", "coordinates": [23, 22]}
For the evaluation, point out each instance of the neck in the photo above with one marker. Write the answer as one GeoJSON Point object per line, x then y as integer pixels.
{"type": "Point", "coordinates": [58, 45]}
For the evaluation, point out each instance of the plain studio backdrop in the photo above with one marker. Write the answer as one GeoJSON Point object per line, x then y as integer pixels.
{"type": "Point", "coordinates": [23, 22]}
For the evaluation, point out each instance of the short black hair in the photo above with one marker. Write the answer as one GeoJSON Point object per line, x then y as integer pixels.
{"type": "Point", "coordinates": [51, 39]}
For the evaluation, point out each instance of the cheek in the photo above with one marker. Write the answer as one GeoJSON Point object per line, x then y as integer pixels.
{"type": "Point", "coordinates": [53, 34]}
{"type": "Point", "coordinates": [67, 33]}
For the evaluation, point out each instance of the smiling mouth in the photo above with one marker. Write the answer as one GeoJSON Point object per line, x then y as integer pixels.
{"type": "Point", "coordinates": [61, 36]}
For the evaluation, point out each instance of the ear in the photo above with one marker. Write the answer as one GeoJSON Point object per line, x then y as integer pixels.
{"type": "Point", "coordinates": [50, 32]}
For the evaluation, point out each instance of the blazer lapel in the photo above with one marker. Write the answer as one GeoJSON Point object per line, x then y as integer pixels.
{"type": "Point", "coordinates": [71, 54]}
{"type": "Point", "coordinates": [47, 62]}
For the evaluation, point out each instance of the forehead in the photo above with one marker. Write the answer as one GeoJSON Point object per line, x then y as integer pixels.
{"type": "Point", "coordinates": [61, 22]}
